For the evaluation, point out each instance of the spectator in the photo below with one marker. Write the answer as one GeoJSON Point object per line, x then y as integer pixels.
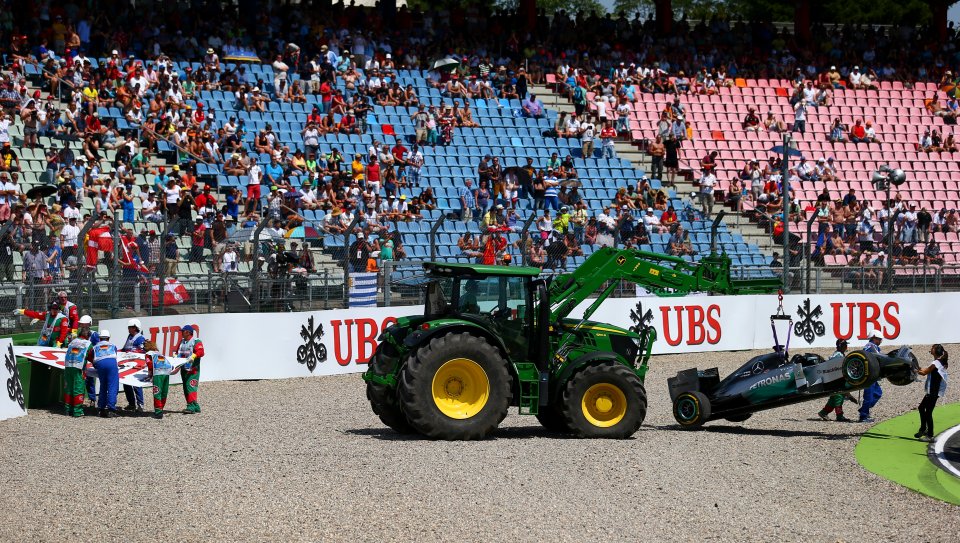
{"type": "Point", "coordinates": [800, 117]}
{"type": "Point", "coordinates": [34, 265]}
{"type": "Point", "coordinates": [858, 134]}
{"type": "Point", "coordinates": [587, 134]}
{"type": "Point", "coordinates": [837, 130]}
{"type": "Point", "coordinates": [532, 107]}
{"type": "Point", "coordinates": [656, 150]}
{"type": "Point", "coordinates": [607, 137]}
{"type": "Point", "coordinates": [467, 200]}
{"type": "Point", "coordinates": [652, 223]}
{"type": "Point", "coordinates": [870, 134]}
{"type": "Point", "coordinates": [931, 253]}
{"type": "Point", "coordinates": [924, 220]}
{"type": "Point", "coordinates": [773, 123]}
{"type": "Point", "coordinates": [707, 183]}
{"type": "Point", "coordinates": [679, 243]}
{"type": "Point", "coordinates": [9, 196]}
{"type": "Point", "coordinates": [751, 123]}
{"type": "Point", "coordinates": [551, 190]}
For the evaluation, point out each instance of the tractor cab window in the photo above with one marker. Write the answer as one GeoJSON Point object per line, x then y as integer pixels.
{"type": "Point", "coordinates": [497, 297]}
{"type": "Point", "coordinates": [439, 292]}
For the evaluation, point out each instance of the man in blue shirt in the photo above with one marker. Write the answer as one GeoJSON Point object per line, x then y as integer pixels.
{"type": "Point", "coordinates": [467, 201]}
{"type": "Point", "coordinates": [871, 394]}
{"type": "Point", "coordinates": [233, 203]}
{"type": "Point", "coordinates": [273, 173]}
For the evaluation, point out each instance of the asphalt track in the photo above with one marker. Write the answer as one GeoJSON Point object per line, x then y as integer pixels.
{"type": "Point", "coordinates": [306, 460]}
{"type": "Point", "coordinates": [890, 450]}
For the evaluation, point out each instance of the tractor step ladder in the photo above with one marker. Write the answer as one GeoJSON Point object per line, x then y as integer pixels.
{"type": "Point", "coordinates": [529, 379]}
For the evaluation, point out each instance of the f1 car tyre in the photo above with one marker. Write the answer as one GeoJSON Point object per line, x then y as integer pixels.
{"type": "Point", "coordinates": [456, 387]}
{"type": "Point", "coordinates": [739, 418]}
{"type": "Point", "coordinates": [860, 368]}
{"type": "Point", "coordinates": [905, 376]}
{"type": "Point", "coordinates": [383, 399]}
{"type": "Point", "coordinates": [604, 400]}
{"type": "Point", "coordinates": [691, 409]}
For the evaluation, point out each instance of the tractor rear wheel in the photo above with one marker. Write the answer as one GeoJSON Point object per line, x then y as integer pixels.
{"type": "Point", "coordinates": [606, 400]}
{"type": "Point", "coordinates": [456, 387]}
{"type": "Point", "coordinates": [691, 409]}
{"type": "Point", "coordinates": [860, 368]}
{"type": "Point", "coordinates": [383, 399]}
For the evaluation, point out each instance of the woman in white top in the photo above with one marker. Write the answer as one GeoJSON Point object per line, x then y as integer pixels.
{"type": "Point", "coordinates": [935, 387]}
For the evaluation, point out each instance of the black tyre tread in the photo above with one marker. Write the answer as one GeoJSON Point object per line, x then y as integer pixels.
{"type": "Point", "coordinates": [872, 369]}
{"type": "Point", "coordinates": [572, 411]}
{"type": "Point", "coordinates": [552, 419]}
{"type": "Point", "coordinates": [415, 394]}
{"type": "Point", "coordinates": [384, 401]}
{"type": "Point", "coordinates": [739, 418]}
{"type": "Point", "coordinates": [704, 410]}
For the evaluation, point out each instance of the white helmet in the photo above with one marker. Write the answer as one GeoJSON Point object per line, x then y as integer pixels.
{"type": "Point", "coordinates": [104, 333]}
{"type": "Point", "coordinates": [135, 323]}
{"type": "Point", "coordinates": [86, 319]}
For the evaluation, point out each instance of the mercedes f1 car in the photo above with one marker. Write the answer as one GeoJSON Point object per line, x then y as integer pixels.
{"type": "Point", "coordinates": [774, 380]}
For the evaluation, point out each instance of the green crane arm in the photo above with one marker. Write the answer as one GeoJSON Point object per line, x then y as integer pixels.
{"type": "Point", "coordinates": [663, 275]}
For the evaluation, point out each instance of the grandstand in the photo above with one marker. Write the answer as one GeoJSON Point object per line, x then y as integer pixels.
{"type": "Point", "coordinates": [898, 108]}
{"type": "Point", "coordinates": [502, 132]}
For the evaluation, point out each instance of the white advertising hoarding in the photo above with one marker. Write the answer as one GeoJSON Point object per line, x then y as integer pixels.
{"type": "Point", "coordinates": [12, 402]}
{"type": "Point", "coordinates": [280, 345]}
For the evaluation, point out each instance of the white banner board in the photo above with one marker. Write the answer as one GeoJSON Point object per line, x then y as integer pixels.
{"type": "Point", "coordinates": [12, 402]}
{"type": "Point", "coordinates": [280, 345]}
{"type": "Point", "coordinates": [275, 345]}
{"type": "Point", "coordinates": [132, 367]}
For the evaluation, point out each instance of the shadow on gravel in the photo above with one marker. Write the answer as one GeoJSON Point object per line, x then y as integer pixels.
{"type": "Point", "coordinates": [520, 432]}
{"type": "Point", "coordinates": [385, 434]}
{"type": "Point", "coordinates": [740, 430]}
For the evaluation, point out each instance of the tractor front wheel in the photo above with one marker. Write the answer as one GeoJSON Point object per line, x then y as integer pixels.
{"type": "Point", "coordinates": [457, 387]}
{"type": "Point", "coordinates": [383, 399]}
{"type": "Point", "coordinates": [606, 400]}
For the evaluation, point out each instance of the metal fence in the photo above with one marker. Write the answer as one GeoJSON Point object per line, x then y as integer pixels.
{"type": "Point", "coordinates": [106, 297]}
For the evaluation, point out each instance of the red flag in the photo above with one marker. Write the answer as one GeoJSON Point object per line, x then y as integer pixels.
{"type": "Point", "coordinates": [129, 251]}
{"type": "Point", "coordinates": [94, 245]}
{"type": "Point", "coordinates": [173, 292]}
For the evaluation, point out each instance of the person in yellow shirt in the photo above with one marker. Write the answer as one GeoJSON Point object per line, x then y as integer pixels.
{"type": "Point", "coordinates": [90, 97]}
{"type": "Point", "coordinates": [562, 222]}
{"type": "Point", "coordinates": [357, 168]}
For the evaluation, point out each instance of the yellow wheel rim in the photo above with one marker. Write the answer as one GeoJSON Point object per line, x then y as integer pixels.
{"type": "Point", "coordinates": [460, 388]}
{"type": "Point", "coordinates": [604, 405]}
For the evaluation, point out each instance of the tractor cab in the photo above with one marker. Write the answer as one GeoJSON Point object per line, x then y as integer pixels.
{"type": "Point", "coordinates": [498, 298]}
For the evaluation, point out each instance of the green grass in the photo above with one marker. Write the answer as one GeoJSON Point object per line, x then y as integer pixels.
{"type": "Point", "coordinates": [890, 450]}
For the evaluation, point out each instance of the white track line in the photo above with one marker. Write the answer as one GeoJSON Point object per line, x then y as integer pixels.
{"type": "Point", "coordinates": [938, 450]}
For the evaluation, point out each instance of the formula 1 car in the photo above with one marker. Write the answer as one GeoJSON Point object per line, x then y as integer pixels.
{"type": "Point", "coordinates": [770, 380]}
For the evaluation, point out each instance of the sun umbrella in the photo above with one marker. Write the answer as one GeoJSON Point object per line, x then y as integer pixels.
{"type": "Point", "coordinates": [241, 235]}
{"type": "Point", "coordinates": [302, 232]}
{"type": "Point", "coordinates": [41, 191]}
{"type": "Point", "coordinates": [446, 63]}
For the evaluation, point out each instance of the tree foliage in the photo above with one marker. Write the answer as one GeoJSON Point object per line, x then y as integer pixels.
{"type": "Point", "coordinates": [826, 11]}
{"type": "Point", "coordinates": [553, 6]}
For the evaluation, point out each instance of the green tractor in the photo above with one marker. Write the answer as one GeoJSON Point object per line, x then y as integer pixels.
{"type": "Point", "coordinates": [492, 337]}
